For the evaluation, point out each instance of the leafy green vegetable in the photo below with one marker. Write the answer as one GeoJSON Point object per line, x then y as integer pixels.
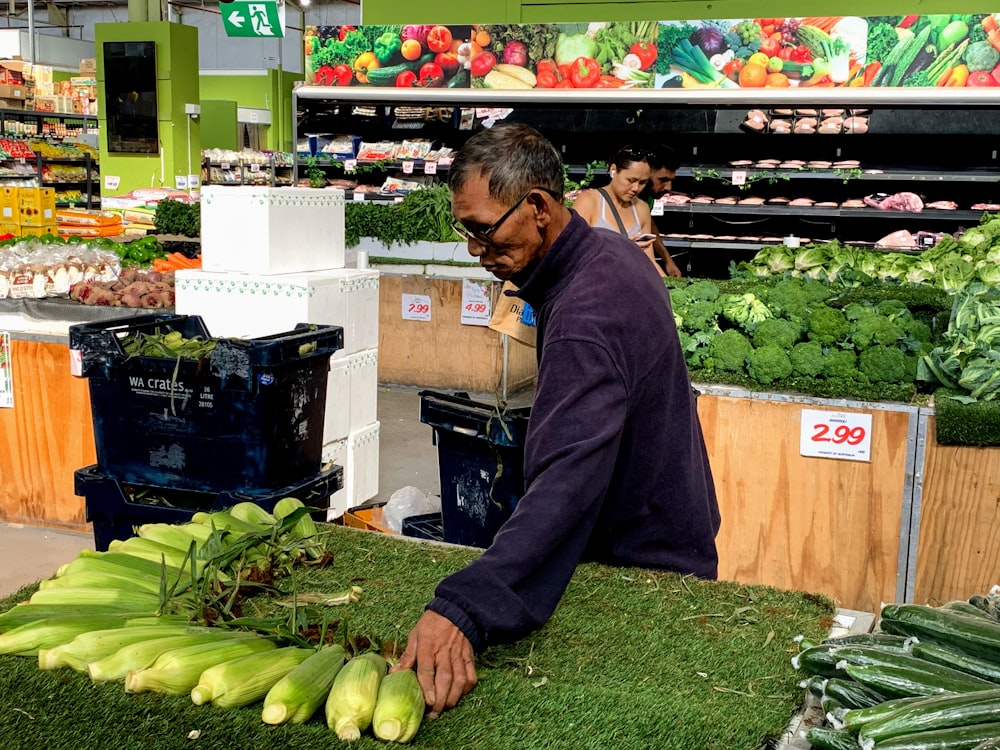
{"type": "Point", "coordinates": [541, 42]}
{"type": "Point", "coordinates": [668, 35]}
{"type": "Point", "coordinates": [882, 38]}
{"type": "Point", "coordinates": [335, 52]}
{"type": "Point", "coordinates": [175, 217]}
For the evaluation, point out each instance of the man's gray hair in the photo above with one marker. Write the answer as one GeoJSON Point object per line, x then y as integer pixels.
{"type": "Point", "coordinates": [515, 156]}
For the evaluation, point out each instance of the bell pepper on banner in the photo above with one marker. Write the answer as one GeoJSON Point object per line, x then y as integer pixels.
{"type": "Point", "coordinates": [386, 46]}
{"type": "Point", "coordinates": [585, 72]}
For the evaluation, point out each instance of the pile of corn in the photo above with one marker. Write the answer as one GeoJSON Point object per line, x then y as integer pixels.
{"type": "Point", "coordinates": [118, 615]}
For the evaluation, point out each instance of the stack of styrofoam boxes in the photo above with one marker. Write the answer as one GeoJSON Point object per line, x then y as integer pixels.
{"type": "Point", "coordinates": [273, 258]}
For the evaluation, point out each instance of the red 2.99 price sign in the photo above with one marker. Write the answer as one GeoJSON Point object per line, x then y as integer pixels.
{"type": "Point", "coordinates": [835, 434]}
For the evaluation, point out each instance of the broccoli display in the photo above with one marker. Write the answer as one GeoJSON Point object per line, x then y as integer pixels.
{"type": "Point", "coordinates": [827, 325]}
{"type": "Point", "coordinates": [807, 358]}
{"type": "Point", "coordinates": [728, 352]}
{"type": "Point", "coordinates": [769, 363]}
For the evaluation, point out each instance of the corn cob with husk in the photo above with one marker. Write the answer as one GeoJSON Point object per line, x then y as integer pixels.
{"type": "Point", "coordinates": [246, 680]}
{"type": "Point", "coordinates": [252, 514]}
{"type": "Point", "coordinates": [178, 536]}
{"type": "Point", "coordinates": [225, 521]}
{"type": "Point", "coordinates": [97, 644]}
{"type": "Point", "coordinates": [176, 671]}
{"type": "Point", "coordinates": [296, 696]}
{"type": "Point", "coordinates": [117, 563]}
{"type": "Point", "coordinates": [136, 601]}
{"type": "Point", "coordinates": [27, 639]}
{"type": "Point", "coordinates": [156, 552]}
{"type": "Point", "coordinates": [100, 579]}
{"type": "Point", "coordinates": [399, 709]}
{"type": "Point", "coordinates": [142, 654]}
{"type": "Point", "coordinates": [25, 612]}
{"type": "Point", "coordinates": [304, 528]}
{"type": "Point", "coordinates": [351, 703]}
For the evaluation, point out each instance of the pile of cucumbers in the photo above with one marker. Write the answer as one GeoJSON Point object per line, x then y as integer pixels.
{"type": "Point", "coordinates": [929, 679]}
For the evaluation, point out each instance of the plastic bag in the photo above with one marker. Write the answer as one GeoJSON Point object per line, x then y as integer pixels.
{"type": "Point", "coordinates": [405, 502]}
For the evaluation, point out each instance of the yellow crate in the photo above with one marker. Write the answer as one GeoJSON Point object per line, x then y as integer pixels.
{"type": "Point", "coordinates": [13, 229]}
{"type": "Point", "coordinates": [37, 206]}
{"type": "Point", "coordinates": [10, 205]}
{"type": "Point", "coordinates": [33, 231]}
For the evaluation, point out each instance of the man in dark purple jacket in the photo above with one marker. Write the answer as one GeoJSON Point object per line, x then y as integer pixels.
{"type": "Point", "coordinates": [615, 465]}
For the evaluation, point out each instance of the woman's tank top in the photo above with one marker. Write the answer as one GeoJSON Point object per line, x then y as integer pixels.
{"type": "Point", "coordinates": [601, 222]}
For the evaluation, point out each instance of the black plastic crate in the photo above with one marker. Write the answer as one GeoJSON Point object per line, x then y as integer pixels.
{"type": "Point", "coordinates": [480, 461]}
{"type": "Point", "coordinates": [115, 507]}
{"type": "Point", "coordinates": [249, 416]}
{"type": "Point", "coordinates": [428, 526]}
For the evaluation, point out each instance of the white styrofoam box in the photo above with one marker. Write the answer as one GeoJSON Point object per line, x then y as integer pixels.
{"type": "Point", "coordinates": [266, 230]}
{"type": "Point", "coordinates": [335, 452]}
{"type": "Point", "coordinates": [256, 305]}
{"type": "Point", "coordinates": [361, 467]}
{"type": "Point", "coordinates": [337, 422]}
{"type": "Point", "coordinates": [362, 369]}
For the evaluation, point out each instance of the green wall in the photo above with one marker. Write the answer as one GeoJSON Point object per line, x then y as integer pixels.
{"type": "Point", "coordinates": [219, 128]}
{"type": "Point", "coordinates": [176, 85]}
{"type": "Point", "coordinates": [549, 11]}
{"type": "Point", "coordinates": [265, 89]}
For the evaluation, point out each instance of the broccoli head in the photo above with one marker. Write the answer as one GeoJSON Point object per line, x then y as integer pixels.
{"type": "Point", "coordinates": [827, 325]}
{"type": "Point", "coordinates": [679, 300]}
{"type": "Point", "coordinates": [917, 329]}
{"type": "Point", "coordinates": [701, 316]}
{"type": "Point", "coordinates": [769, 363]}
{"type": "Point", "coordinates": [703, 290]}
{"type": "Point", "coordinates": [873, 328]}
{"type": "Point", "coordinates": [728, 351]}
{"type": "Point", "coordinates": [778, 331]}
{"type": "Point", "coordinates": [807, 358]}
{"type": "Point", "coordinates": [891, 308]}
{"type": "Point", "coordinates": [840, 363]}
{"type": "Point", "coordinates": [886, 364]}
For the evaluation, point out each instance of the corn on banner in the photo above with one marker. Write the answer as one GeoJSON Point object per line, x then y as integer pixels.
{"type": "Point", "coordinates": [798, 52]}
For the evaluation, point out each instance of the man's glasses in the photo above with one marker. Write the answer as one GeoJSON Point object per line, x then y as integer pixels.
{"type": "Point", "coordinates": [484, 237]}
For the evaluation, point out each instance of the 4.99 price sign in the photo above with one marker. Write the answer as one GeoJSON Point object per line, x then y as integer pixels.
{"type": "Point", "coordinates": [835, 434]}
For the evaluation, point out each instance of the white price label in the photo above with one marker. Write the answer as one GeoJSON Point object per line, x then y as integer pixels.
{"type": "Point", "coordinates": [739, 177]}
{"type": "Point", "coordinates": [255, 168]}
{"type": "Point", "coordinates": [111, 182]}
{"type": "Point", "coordinates": [224, 166]}
{"type": "Point", "coordinates": [407, 167]}
{"type": "Point", "coordinates": [445, 161]}
{"type": "Point", "coordinates": [350, 165]}
{"type": "Point", "coordinates": [359, 197]}
{"type": "Point", "coordinates": [430, 167]}
{"type": "Point", "coordinates": [836, 434]}
{"type": "Point", "coordinates": [194, 181]}
{"type": "Point", "coordinates": [397, 199]}
{"type": "Point", "coordinates": [657, 209]}
{"type": "Point", "coordinates": [476, 307]}
{"type": "Point", "coordinates": [181, 181]}
{"type": "Point", "coordinates": [416, 307]}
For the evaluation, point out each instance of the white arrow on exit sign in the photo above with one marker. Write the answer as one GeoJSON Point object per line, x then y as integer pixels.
{"type": "Point", "coordinates": [236, 19]}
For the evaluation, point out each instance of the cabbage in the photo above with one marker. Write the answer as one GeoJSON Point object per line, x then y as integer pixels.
{"type": "Point", "coordinates": [568, 48]}
{"type": "Point", "coordinates": [710, 40]}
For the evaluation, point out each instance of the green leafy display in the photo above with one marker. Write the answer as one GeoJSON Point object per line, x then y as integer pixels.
{"type": "Point", "coordinates": [175, 217]}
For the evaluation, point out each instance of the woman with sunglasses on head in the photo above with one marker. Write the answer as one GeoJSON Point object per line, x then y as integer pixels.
{"type": "Point", "coordinates": [617, 206]}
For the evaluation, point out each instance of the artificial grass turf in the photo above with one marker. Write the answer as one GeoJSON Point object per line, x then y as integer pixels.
{"type": "Point", "coordinates": [631, 659]}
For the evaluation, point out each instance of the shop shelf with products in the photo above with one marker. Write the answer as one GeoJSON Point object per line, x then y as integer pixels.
{"type": "Point", "coordinates": [225, 167]}
{"type": "Point", "coordinates": [828, 173]}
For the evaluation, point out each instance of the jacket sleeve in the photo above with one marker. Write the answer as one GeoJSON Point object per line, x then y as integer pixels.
{"type": "Point", "coordinates": [572, 443]}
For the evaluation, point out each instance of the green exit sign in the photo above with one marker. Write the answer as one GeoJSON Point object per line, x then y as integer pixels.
{"type": "Point", "coordinates": [261, 20]}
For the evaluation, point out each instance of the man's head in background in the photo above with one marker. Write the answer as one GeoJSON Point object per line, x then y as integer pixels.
{"type": "Point", "coordinates": [663, 164]}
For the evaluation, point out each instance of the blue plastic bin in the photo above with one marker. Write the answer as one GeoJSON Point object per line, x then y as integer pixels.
{"type": "Point", "coordinates": [480, 461]}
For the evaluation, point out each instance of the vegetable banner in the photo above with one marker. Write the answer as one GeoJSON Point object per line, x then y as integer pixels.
{"type": "Point", "coordinates": [876, 51]}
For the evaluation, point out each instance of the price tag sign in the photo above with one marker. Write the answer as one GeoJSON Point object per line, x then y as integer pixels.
{"type": "Point", "coordinates": [445, 161]}
{"type": "Point", "coordinates": [416, 307]}
{"type": "Point", "coordinates": [255, 168]}
{"type": "Point", "coordinates": [359, 197]}
{"type": "Point", "coordinates": [739, 177]}
{"type": "Point", "coordinates": [111, 182]}
{"type": "Point", "coordinates": [476, 307]}
{"type": "Point", "coordinates": [407, 167]}
{"type": "Point", "coordinates": [350, 165]}
{"type": "Point", "coordinates": [181, 181]}
{"type": "Point", "coordinates": [430, 167]}
{"type": "Point", "coordinates": [224, 166]}
{"type": "Point", "coordinates": [657, 209]}
{"type": "Point", "coordinates": [835, 434]}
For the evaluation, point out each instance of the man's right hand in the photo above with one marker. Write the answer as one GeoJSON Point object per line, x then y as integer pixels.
{"type": "Point", "coordinates": [444, 661]}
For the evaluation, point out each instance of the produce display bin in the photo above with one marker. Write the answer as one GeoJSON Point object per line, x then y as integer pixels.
{"type": "Point", "coordinates": [249, 416]}
{"type": "Point", "coordinates": [115, 507]}
{"type": "Point", "coordinates": [481, 464]}
{"type": "Point", "coordinates": [427, 526]}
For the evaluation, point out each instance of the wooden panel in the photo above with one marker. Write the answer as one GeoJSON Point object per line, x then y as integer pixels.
{"type": "Point", "coordinates": [45, 438]}
{"type": "Point", "coordinates": [442, 353]}
{"type": "Point", "coordinates": [820, 525]}
{"type": "Point", "coordinates": [958, 552]}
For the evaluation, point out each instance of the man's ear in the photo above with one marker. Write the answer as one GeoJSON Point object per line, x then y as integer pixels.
{"type": "Point", "coordinates": [542, 206]}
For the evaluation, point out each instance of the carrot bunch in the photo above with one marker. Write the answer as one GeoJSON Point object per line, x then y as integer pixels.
{"type": "Point", "coordinates": [824, 23]}
{"type": "Point", "coordinates": [175, 262]}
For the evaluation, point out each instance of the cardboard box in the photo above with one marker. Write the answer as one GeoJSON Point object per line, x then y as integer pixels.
{"type": "Point", "coordinates": [37, 206]}
{"type": "Point", "coordinates": [12, 92]}
{"type": "Point", "coordinates": [264, 230]}
{"type": "Point", "coordinates": [12, 72]}
{"type": "Point", "coordinates": [13, 229]}
{"type": "Point", "coordinates": [38, 231]}
{"type": "Point", "coordinates": [45, 104]}
{"type": "Point", "coordinates": [11, 104]}
{"type": "Point", "coordinates": [88, 66]}
{"type": "Point", "coordinates": [10, 205]}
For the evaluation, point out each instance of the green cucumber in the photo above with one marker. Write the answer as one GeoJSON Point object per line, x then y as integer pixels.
{"type": "Point", "coordinates": [817, 660]}
{"type": "Point", "coordinates": [949, 657]}
{"type": "Point", "coordinates": [852, 694]}
{"type": "Point", "coordinates": [862, 717]}
{"type": "Point", "coordinates": [941, 712]}
{"type": "Point", "coordinates": [386, 76]}
{"type": "Point", "coordinates": [814, 685]}
{"type": "Point", "coordinates": [831, 706]}
{"type": "Point", "coordinates": [882, 640]}
{"type": "Point", "coordinates": [902, 681]}
{"type": "Point", "coordinates": [459, 81]}
{"type": "Point", "coordinates": [831, 739]}
{"type": "Point", "coordinates": [910, 55]}
{"type": "Point", "coordinates": [955, 738]}
{"type": "Point", "coordinates": [964, 608]}
{"type": "Point", "coordinates": [976, 636]}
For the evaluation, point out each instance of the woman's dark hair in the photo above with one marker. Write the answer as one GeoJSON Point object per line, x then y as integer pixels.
{"type": "Point", "coordinates": [628, 155]}
{"type": "Point", "coordinates": [516, 157]}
